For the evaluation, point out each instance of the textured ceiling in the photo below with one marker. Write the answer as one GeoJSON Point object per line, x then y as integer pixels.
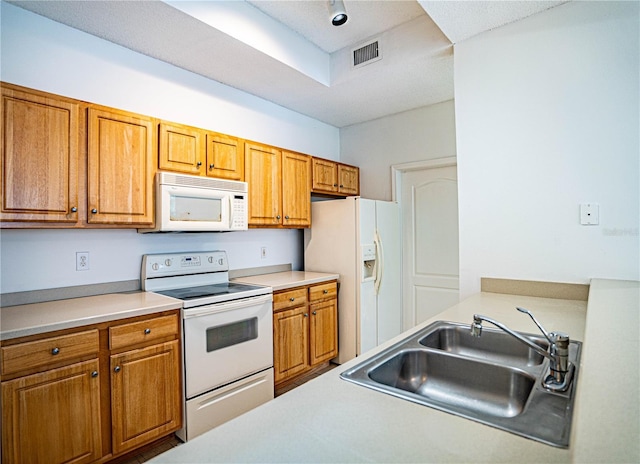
{"type": "Point", "coordinates": [416, 68]}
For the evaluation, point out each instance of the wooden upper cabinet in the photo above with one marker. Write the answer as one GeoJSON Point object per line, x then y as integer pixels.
{"type": "Point", "coordinates": [334, 178]}
{"type": "Point", "coordinates": [120, 167]}
{"type": "Point", "coordinates": [39, 161]}
{"type": "Point", "coordinates": [325, 176]}
{"type": "Point", "coordinates": [296, 189]}
{"type": "Point", "coordinates": [348, 179]}
{"type": "Point", "coordinates": [263, 173]}
{"type": "Point", "coordinates": [225, 157]}
{"type": "Point", "coordinates": [198, 152]}
{"type": "Point", "coordinates": [181, 148]}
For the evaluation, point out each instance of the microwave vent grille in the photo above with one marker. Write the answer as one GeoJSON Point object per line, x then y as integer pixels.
{"type": "Point", "coordinates": [202, 182]}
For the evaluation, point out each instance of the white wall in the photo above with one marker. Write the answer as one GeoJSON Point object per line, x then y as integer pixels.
{"type": "Point", "coordinates": [421, 134]}
{"type": "Point", "coordinates": [49, 56]}
{"type": "Point", "coordinates": [547, 118]}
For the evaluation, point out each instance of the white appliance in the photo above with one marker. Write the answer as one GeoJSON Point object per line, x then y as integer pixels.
{"type": "Point", "coordinates": [199, 204]}
{"type": "Point", "coordinates": [227, 334]}
{"type": "Point", "coordinates": [359, 239]}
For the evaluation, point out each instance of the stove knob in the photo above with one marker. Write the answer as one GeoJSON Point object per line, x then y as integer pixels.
{"type": "Point", "coordinates": [211, 259]}
{"type": "Point", "coordinates": [221, 261]}
{"type": "Point", "coordinates": [155, 266]}
{"type": "Point", "coordinates": [167, 262]}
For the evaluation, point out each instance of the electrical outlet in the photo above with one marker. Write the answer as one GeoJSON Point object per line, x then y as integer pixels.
{"type": "Point", "coordinates": [263, 253]}
{"type": "Point", "coordinates": [82, 261]}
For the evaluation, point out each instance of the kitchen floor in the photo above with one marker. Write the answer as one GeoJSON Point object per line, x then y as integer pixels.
{"type": "Point", "coordinates": [171, 442]}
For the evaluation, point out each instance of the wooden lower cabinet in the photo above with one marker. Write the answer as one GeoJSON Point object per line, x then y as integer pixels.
{"type": "Point", "coordinates": [143, 403]}
{"type": "Point", "coordinates": [305, 329]}
{"type": "Point", "coordinates": [92, 393]}
{"type": "Point", "coordinates": [291, 343]}
{"type": "Point", "coordinates": [323, 326]}
{"type": "Point", "coordinates": [53, 416]}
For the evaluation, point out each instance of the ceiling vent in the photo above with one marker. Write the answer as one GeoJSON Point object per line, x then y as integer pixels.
{"type": "Point", "coordinates": [367, 54]}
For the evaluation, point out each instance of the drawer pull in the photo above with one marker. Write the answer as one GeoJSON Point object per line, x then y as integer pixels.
{"type": "Point", "coordinates": [116, 369]}
{"type": "Point", "coordinates": [325, 291]}
{"type": "Point", "coordinates": [292, 299]}
{"type": "Point", "coordinates": [55, 351]}
{"type": "Point", "coordinates": [94, 374]}
{"type": "Point", "coordinates": [147, 331]}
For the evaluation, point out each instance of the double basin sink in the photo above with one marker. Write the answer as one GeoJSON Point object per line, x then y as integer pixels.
{"type": "Point", "coordinates": [494, 379]}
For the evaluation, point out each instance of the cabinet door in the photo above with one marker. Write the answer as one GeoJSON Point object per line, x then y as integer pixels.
{"type": "Point", "coordinates": [291, 343]}
{"type": "Point", "coordinates": [263, 173]}
{"type": "Point", "coordinates": [323, 330]}
{"type": "Point", "coordinates": [39, 161]}
{"type": "Point", "coordinates": [145, 395]}
{"type": "Point", "coordinates": [296, 189]}
{"type": "Point", "coordinates": [53, 416]}
{"type": "Point", "coordinates": [181, 148]}
{"type": "Point", "coordinates": [348, 178]}
{"type": "Point", "coordinates": [225, 158]}
{"type": "Point", "coordinates": [121, 154]}
{"type": "Point", "coordinates": [325, 176]}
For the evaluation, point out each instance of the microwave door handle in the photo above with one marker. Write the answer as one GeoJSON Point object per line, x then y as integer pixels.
{"type": "Point", "coordinates": [230, 211]}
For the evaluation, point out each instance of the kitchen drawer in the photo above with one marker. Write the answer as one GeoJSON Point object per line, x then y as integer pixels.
{"type": "Point", "coordinates": [289, 299]}
{"type": "Point", "coordinates": [121, 336]}
{"type": "Point", "coordinates": [41, 353]}
{"type": "Point", "coordinates": [323, 291]}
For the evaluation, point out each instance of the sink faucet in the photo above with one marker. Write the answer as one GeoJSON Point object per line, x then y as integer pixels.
{"type": "Point", "coordinates": [560, 369]}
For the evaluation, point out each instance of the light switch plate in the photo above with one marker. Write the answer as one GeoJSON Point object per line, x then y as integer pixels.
{"type": "Point", "coordinates": [589, 214]}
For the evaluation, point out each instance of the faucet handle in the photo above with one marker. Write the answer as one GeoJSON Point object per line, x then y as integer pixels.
{"type": "Point", "coordinates": [544, 332]}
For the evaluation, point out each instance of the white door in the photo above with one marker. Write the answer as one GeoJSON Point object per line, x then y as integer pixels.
{"type": "Point", "coordinates": [429, 201]}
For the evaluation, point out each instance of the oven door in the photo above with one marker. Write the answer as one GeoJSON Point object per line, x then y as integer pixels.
{"type": "Point", "coordinates": [227, 341]}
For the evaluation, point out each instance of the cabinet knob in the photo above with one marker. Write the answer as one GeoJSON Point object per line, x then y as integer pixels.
{"type": "Point", "coordinates": [211, 166]}
{"type": "Point", "coordinates": [325, 291]}
{"type": "Point", "coordinates": [94, 211]}
{"type": "Point", "coordinates": [291, 299]}
{"type": "Point", "coordinates": [341, 185]}
{"type": "Point", "coordinates": [286, 217]}
{"type": "Point", "coordinates": [306, 315]}
{"type": "Point", "coordinates": [199, 163]}
{"type": "Point", "coordinates": [278, 216]}
{"type": "Point", "coordinates": [55, 351]}
{"type": "Point", "coordinates": [116, 369]}
{"type": "Point", "coordinates": [94, 374]}
{"type": "Point", "coordinates": [335, 185]}
{"type": "Point", "coordinates": [314, 313]}
{"type": "Point", "coordinates": [147, 331]}
{"type": "Point", "coordinates": [74, 210]}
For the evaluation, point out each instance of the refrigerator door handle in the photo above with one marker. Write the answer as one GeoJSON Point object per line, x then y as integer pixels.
{"type": "Point", "coordinates": [379, 262]}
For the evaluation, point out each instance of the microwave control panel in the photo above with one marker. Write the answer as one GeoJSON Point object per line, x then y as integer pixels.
{"type": "Point", "coordinates": [240, 218]}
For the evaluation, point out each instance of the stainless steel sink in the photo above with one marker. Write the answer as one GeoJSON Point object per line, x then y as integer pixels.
{"type": "Point", "coordinates": [494, 345]}
{"type": "Point", "coordinates": [494, 379]}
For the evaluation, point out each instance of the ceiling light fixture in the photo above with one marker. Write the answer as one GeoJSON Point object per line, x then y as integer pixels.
{"type": "Point", "coordinates": [338, 12]}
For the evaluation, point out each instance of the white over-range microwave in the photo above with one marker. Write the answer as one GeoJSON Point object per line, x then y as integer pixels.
{"type": "Point", "coordinates": [199, 204]}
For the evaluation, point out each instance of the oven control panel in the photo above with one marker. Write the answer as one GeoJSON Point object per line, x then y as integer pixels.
{"type": "Point", "coordinates": [181, 264]}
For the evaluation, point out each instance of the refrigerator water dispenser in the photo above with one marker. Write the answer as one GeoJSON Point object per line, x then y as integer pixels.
{"type": "Point", "coordinates": [368, 262]}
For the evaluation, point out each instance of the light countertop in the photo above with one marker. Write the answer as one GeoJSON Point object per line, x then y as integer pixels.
{"type": "Point", "coordinates": [331, 420]}
{"type": "Point", "coordinates": [19, 321]}
{"type": "Point", "coordinates": [287, 279]}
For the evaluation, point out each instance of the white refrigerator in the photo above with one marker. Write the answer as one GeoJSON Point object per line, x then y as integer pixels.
{"type": "Point", "coordinates": [359, 239]}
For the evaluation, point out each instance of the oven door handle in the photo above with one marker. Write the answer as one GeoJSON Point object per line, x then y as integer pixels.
{"type": "Point", "coordinates": [227, 306]}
